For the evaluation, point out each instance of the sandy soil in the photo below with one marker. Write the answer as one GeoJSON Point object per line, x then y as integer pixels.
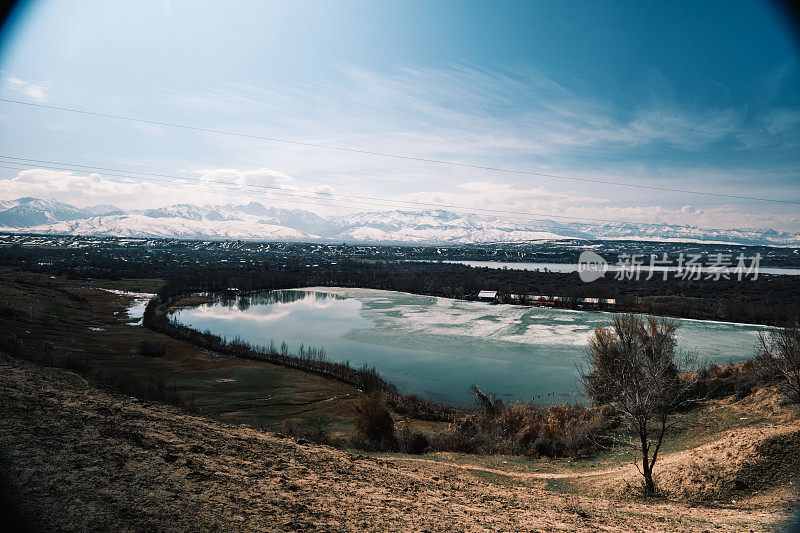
{"type": "Point", "coordinates": [79, 458]}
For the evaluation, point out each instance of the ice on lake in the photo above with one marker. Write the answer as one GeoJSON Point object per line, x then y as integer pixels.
{"type": "Point", "coordinates": [438, 347]}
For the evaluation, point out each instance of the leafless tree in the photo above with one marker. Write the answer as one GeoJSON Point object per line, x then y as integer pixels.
{"type": "Point", "coordinates": [635, 368]}
{"type": "Point", "coordinates": [778, 352]}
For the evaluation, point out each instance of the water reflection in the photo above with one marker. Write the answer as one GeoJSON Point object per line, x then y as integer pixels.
{"type": "Point", "coordinates": [437, 347]}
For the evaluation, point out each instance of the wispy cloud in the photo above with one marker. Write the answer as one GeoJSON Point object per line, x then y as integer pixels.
{"type": "Point", "coordinates": [466, 112]}
{"type": "Point", "coordinates": [33, 91]}
{"type": "Point", "coordinates": [522, 119]}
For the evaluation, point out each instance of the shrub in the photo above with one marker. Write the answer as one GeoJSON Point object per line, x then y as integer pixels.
{"type": "Point", "coordinates": [318, 435]}
{"type": "Point", "coordinates": [46, 354]}
{"type": "Point", "coordinates": [70, 362]}
{"type": "Point", "coordinates": [779, 355]}
{"type": "Point", "coordinates": [11, 344]}
{"type": "Point", "coordinates": [156, 389]}
{"type": "Point", "coordinates": [152, 349]}
{"type": "Point", "coordinates": [737, 380]}
{"type": "Point", "coordinates": [526, 429]}
{"type": "Point", "coordinates": [413, 442]}
{"type": "Point", "coordinates": [374, 424]}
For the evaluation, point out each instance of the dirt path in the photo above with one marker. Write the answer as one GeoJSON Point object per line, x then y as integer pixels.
{"type": "Point", "coordinates": [80, 458]}
{"type": "Point", "coordinates": [511, 473]}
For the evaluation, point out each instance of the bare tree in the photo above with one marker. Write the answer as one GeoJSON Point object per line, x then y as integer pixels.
{"type": "Point", "coordinates": [636, 370]}
{"type": "Point", "coordinates": [778, 353]}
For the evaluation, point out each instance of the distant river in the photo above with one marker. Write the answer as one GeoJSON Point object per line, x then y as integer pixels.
{"type": "Point", "coordinates": [438, 347]}
{"type": "Point", "coordinates": [573, 267]}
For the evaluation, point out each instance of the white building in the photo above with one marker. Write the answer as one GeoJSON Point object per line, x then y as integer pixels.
{"type": "Point", "coordinates": [487, 295]}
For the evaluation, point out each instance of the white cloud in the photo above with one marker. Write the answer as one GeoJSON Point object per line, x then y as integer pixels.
{"type": "Point", "coordinates": [210, 188]}
{"type": "Point", "coordinates": [324, 190]}
{"type": "Point", "coordinates": [34, 91]}
{"type": "Point", "coordinates": [502, 198]}
{"type": "Point", "coordinates": [259, 178]}
{"type": "Point", "coordinates": [484, 198]}
{"type": "Point", "coordinates": [464, 113]}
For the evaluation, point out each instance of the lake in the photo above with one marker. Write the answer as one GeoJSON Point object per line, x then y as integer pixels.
{"type": "Point", "coordinates": [438, 347]}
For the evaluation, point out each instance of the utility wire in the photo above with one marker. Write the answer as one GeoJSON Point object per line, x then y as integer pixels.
{"type": "Point", "coordinates": [279, 190]}
{"type": "Point", "coordinates": [319, 200]}
{"type": "Point", "coordinates": [128, 174]}
{"type": "Point", "coordinates": [325, 201]}
{"type": "Point", "coordinates": [395, 156]}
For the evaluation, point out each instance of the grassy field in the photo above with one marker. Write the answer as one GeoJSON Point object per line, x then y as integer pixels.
{"type": "Point", "coordinates": [82, 319]}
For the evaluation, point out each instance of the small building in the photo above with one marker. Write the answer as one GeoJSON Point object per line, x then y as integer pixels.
{"type": "Point", "coordinates": [540, 300]}
{"type": "Point", "coordinates": [487, 296]}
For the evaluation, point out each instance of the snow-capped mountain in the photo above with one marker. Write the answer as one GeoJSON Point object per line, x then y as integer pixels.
{"type": "Point", "coordinates": [255, 221]}
{"type": "Point", "coordinates": [103, 209]}
{"type": "Point", "coordinates": [26, 212]}
{"type": "Point", "coordinates": [434, 226]}
{"type": "Point", "coordinates": [142, 225]}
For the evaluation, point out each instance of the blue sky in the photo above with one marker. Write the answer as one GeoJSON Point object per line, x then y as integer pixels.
{"type": "Point", "coordinates": [690, 95]}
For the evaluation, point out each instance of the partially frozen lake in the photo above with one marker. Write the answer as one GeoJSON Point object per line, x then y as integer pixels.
{"type": "Point", "coordinates": [438, 347]}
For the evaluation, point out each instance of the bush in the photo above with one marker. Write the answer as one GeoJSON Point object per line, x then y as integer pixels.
{"type": "Point", "coordinates": [152, 349]}
{"type": "Point", "coordinates": [318, 435]}
{"type": "Point", "coordinates": [374, 424]}
{"type": "Point", "coordinates": [156, 389]}
{"type": "Point", "coordinates": [413, 442]}
{"type": "Point", "coordinates": [779, 355]}
{"type": "Point", "coordinates": [737, 380]}
{"type": "Point", "coordinates": [526, 429]}
{"type": "Point", "coordinates": [11, 344]}
{"type": "Point", "coordinates": [70, 362]}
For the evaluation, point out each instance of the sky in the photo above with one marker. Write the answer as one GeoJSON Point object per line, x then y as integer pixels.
{"type": "Point", "coordinates": [698, 96]}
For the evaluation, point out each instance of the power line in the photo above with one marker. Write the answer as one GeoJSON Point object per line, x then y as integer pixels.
{"type": "Point", "coordinates": [395, 156]}
{"type": "Point", "coordinates": [325, 199]}
{"type": "Point", "coordinates": [320, 200]}
{"type": "Point", "coordinates": [279, 190]}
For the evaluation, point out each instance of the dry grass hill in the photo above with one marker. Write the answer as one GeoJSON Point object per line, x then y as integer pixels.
{"type": "Point", "coordinates": [78, 457]}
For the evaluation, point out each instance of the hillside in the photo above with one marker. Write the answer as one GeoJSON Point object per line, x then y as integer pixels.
{"type": "Point", "coordinates": [82, 458]}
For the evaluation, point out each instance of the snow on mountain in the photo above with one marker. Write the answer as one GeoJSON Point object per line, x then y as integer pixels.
{"type": "Point", "coordinates": [102, 209]}
{"type": "Point", "coordinates": [254, 221]}
{"type": "Point", "coordinates": [433, 226]}
{"type": "Point", "coordinates": [7, 204]}
{"type": "Point", "coordinates": [184, 211]}
{"type": "Point", "coordinates": [140, 225]}
{"type": "Point", "coordinates": [651, 232]}
{"type": "Point", "coordinates": [294, 218]}
{"type": "Point", "coordinates": [33, 212]}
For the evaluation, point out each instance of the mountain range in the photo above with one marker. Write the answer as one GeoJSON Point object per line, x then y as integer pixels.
{"type": "Point", "coordinates": [255, 221]}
